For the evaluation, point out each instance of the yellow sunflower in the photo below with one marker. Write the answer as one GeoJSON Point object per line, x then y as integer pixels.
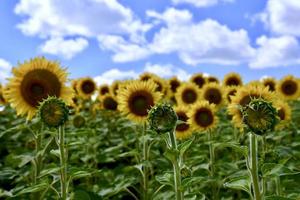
{"type": "Point", "coordinates": [74, 85]}
{"type": "Point", "coordinates": [2, 99]}
{"type": "Point", "coordinates": [137, 98]}
{"type": "Point", "coordinates": [183, 130]}
{"type": "Point", "coordinates": [115, 87]}
{"type": "Point", "coordinates": [288, 87]}
{"type": "Point", "coordinates": [202, 116]}
{"type": "Point", "coordinates": [108, 102]}
{"type": "Point", "coordinates": [212, 92]}
{"type": "Point", "coordinates": [147, 76]}
{"type": "Point", "coordinates": [187, 94]}
{"type": "Point", "coordinates": [198, 79]}
{"type": "Point", "coordinates": [270, 83]}
{"type": "Point", "coordinates": [104, 89]}
{"type": "Point", "coordinates": [86, 87]}
{"type": "Point", "coordinates": [174, 83]}
{"type": "Point", "coordinates": [243, 96]}
{"type": "Point", "coordinates": [34, 81]}
{"type": "Point", "coordinates": [212, 79]}
{"type": "Point", "coordinates": [232, 79]}
{"type": "Point", "coordinates": [229, 92]}
{"type": "Point", "coordinates": [284, 112]}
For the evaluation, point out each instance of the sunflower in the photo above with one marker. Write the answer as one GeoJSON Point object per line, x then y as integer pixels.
{"type": "Point", "coordinates": [137, 98]}
{"type": "Point", "coordinates": [108, 102]}
{"type": "Point", "coordinates": [284, 112]}
{"type": "Point", "coordinates": [74, 83]}
{"type": "Point", "coordinates": [183, 130]}
{"type": "Point", "coordinates": [174, 83]}
{"type": "Point", "coordinates": [147, 76]}
{"type": "Point", "coordinates": [2, 99]}
{"type": "Point", "coordinates": [86, 87]}
{"type": "Point", "coordinates": [202, 116]}
{"type": "Point", "coordinates": [229, 92]}
{"type": "Point", "coordinates": [34, 81]}
{"type": "Point", "coordinates": [232, 79]}
{"type": "Point", "coordinates": [115, 87]}
{"type": "Point", "coordinates": [212, 79]}
{"type": "Point", "coordinates": [243, 97]}
{"type": "Point", "coordinates": [212, 92]}
{"type": "Point", "coordinates": [288, 88]}
{"type": "Point", "coordinates": [270, 83]}
{"type": "Point", "coordinates": [187, 94]}
{"type": "Point", "coordinates": [104, 89]}
{"type": "Point", "coordinates": [198, 79]}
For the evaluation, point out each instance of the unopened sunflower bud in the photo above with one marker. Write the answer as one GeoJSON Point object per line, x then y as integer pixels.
{"type": "Point", "coordinates": [78, 121]}
{"type": "Point", "coordinates": [53, 112]}
{"type": "Point", "coordinates": [162, 118]}
{"type": "Point", "coordinates": [260, 116]}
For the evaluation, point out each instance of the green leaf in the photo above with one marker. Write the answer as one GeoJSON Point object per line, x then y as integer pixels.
{"type": "Point", "coordinates": [277, 198]}
{"type": "Point", "coordinates": [79, 174]}
{"type": "Point", "coordinates": [166, 179]}
{"type": "Point", "coordinates": [49, 171]}
{"type": "Point", "coordinates": [32, 189]}
{"type": "Point", "coordinates": [183, 147]}
{"type": "Point", "coordinates": [239, 183]}
{"type": "Point", "coordinates": [55, 152]}
{"type": "Point", "coordinates": [171, 154]}
{"type": "Point", "coordinates": [24, 159]}
{"type": "Point", "coordinates": [273, 170]}
{"type": "Point", "coordinates": [235, 147]}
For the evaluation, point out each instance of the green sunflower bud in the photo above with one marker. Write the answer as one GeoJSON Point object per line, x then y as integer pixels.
{"type": "Point", "coordinates": [162, 118]}
{"type": "Point", "coordinates": [260, 116]}
{"type": "Point", "coordinates": [53, 112]}
{"type": "Point", "coordinates": [78, 121]}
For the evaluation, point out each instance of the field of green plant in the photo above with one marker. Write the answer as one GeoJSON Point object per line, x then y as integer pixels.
{"type": "Point", "coordinates": [150, 138]}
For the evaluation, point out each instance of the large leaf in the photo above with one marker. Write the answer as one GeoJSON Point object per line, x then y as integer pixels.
{"type": "Point", "coordinates": [239, 183]}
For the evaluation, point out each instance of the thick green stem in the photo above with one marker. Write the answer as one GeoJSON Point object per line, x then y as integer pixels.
{"type": "Point", "coordinates": [176, 168]}
{"type": "Point", "coordinates": [278, 187]}
{"type": "Point", "coordinates": [254, 167]}
{"type": "Point", "coordinates": [145, 159]}
{"type": "Point", "coordinates": [63, 162]}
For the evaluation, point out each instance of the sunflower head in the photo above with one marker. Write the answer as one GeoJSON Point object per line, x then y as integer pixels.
{"type": "Point", "coordinates": [232, 79]}
{"type": "Point", "coordinates": [212, 79]}
{"type": "Point", "coordinates": [270, 83]}
{"type": "Point", "coordinates": [288, 87]}
{"type": "Point", "coordinates": [104, 89]}
{"type": "Point", "coordinates": [183, 129]}
{"type": "Point", "coordinates": [187, 94]}
{"type": "Point", "coordinates": [109, 102]}
{"type": "Point", "coordinates": [230, 92]}
{"type": "Point", "coordinates": [260, 116]}
{"type": "Point", "coordinates": [86, 87]}
{"type": "Point", "coordinates": [174, 83]}
{"type": "Point", "coordinates": [33, 81]}
{"type": "Point", "coordinates": [78, 121]}
{"type": "Point", "coordinates": [146, 76]}
{"type": "Point", "coordinates": [137, 98]}
{"type": "Point", "coordinates": [198, 79]}
{"type": "Point", "coordinates": [202, 116]}
{"type": "Point", "coordinates": [53, 112]}
{"type": "Point", "coordinates": [212, 92]}
{"type": "Point", "coordinates": [2, 99]}
{"type": "Point", "coordinates": [162, 118]}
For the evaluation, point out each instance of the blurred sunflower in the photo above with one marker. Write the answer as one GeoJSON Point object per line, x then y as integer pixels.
{"type": "Point", "coordinates": [212, 92]}
{"type": "Point", "coordinates": [284, 112]}
{"type": "Point", "coordinates": [232, 79]}
{"type": "Point", "coordinates": [202, 116]}
{"type": "Point", "coordinates": [34, 81]}
{"type": "Point", "coordinates": [198, 79]}
{"type": "Point", "coordinates": [187, 94]}
{"type": "Point", "coordinates": [104, 89]}
{"type": "Point", "coordinates": [243, 97]}
{"type": "Point", "coordinates": [212, 79]}
{"type": "Point", "coordinates": [74, 83]}
{"type": "Point", "coordinates": [174, 83]}
{"type": "Point", "coordinates": [2, 99]}
{"type": "Point", "coordinates": [115, 87]}
{"type": "Point", "coordinates": [270, 83]}
{"type": "Point", "coordinates": [288, 87]}
{"type": "Point", "coordinates": [137, 98]}
{"type": "Point", "coordinates": [183, 130]}
{"type": "Point", "coordinates": [108, 102]}
{"type": "Point", "coordinates": [229, 92]}
{"type": "Point", "coordinates": [86, 87]}
{"type": "Point", "coordinates": [146, 76]}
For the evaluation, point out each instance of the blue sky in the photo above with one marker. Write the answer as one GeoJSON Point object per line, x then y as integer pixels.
{"type": "Point", "coordinates": [110, 39]}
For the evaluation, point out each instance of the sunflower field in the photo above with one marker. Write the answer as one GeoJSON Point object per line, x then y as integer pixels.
{"type": "Point", "coordinates": [149, 138]}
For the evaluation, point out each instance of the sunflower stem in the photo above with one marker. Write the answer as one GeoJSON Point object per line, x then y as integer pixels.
{"type": "Point", "coordinates": [145, 159]}
{"type": "Point", "coordinates": [176, 167]}
{"type": "Point", "coordinates": [63, 162]}
{"type": "Point", "coordinates": [254, 167]}
{"type": "Point", "coordinates": [212, 163]}
{"type": "Point", "coordinates": [278, 187]}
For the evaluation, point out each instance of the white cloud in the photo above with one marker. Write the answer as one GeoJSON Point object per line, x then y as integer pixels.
{"type": "Point", "coordinates": [124, 51]}
{"type": "Point", "coordinates": [5, 68]}
{"type": "Point", "coordinates": [87, 18]}
{"type": "Point", "coordinates": [66, 48]}
{"type": "Point", "coordinates": [282, 17]}
{"type": "Point", "coordinates": [207, 41]}
{"type": "Point", "coordinates": [276, 51]}
{"type": "Point", "coordinates": [167, 71]}
{"type": "Point", "coordinates": [201, 3]}
{"type": "Point", "coordinates": [115, 74]}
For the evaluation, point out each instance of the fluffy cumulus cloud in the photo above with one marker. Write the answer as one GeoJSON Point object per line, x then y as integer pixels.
{"type": "Point", "coordinates": [5, 68]}
{"type": "Point", "coordinates": [276, 51]}
{"type": "Point", "coordinates": [207, 41]}
{"type": "Point", "coordinates": [282, 17]}
{"type": "Point", "coordinates": [87, 18]}
{"type": "Point", "coordinates": [67, 48]}
{"type": "Point", "coordinates": [162, 70]}
{"type": "Point", "coordinates": [201, 3]}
